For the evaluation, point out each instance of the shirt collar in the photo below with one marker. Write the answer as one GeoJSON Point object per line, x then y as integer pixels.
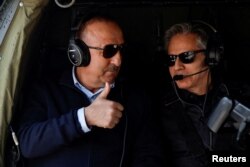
{"type": "Point", "coordinates": [91, 96]}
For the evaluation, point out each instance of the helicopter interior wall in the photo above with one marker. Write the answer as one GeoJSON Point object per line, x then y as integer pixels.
{"type": "Point", "coordinates": [144, 28]}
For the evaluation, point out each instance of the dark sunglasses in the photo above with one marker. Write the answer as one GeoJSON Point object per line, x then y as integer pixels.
{"type": "Point", "coordinates": [110, 50]}
{"type": "Point", "coordinates": [185, 57]}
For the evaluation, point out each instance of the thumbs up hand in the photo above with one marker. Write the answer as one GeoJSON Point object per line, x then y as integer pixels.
{"type": "Point", "coordinates": [103, 112]}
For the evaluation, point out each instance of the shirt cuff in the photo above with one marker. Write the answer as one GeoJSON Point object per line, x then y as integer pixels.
{"type": "Point", "coordinates": [82, 120]}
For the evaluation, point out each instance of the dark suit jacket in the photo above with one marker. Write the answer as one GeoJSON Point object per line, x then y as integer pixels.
{"type": "Point", "coordinates": [188, 140]}
{"type": "Point", "coordinates": [50, 134]}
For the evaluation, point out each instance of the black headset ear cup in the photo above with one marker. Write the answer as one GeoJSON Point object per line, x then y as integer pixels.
{"type": "Point", "coordinates": [214, 48]}
{"type": "Point", "coordinates": [78, 53]}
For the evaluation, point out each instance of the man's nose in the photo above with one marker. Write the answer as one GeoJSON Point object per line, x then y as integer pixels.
{"type": "Point", "coordinates": [178, 64]}
{"type": "Point", "coordinates": [117, 59]}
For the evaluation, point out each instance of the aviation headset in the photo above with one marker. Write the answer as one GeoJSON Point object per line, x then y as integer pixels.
{"type": "Point", "coordinates": [214, 48]}
{"type": "Point", "coordinates": [78, 51]}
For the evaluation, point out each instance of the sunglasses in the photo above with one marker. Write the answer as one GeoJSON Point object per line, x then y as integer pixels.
{"type": "Point", "coordinates": [110, 50]}
{"type": "Point", "coordinates": [185, 57]}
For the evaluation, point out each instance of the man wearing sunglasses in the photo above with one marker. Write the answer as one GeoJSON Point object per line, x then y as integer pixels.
{"type": "Point", "coordinates": [88, 119]}
{"type": "Point", "coordinates": [193, 58]}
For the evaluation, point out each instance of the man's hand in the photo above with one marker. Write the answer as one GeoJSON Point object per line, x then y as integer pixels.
{"type": "Point", "coordinates": [103, 112]}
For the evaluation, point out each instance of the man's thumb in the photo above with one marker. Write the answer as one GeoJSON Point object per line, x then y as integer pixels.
{"type": "Point", "coordinates": [105, 91]}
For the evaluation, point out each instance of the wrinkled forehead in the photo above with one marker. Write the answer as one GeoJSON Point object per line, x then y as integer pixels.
{"type": "Point", "coordinates": [182, 42]}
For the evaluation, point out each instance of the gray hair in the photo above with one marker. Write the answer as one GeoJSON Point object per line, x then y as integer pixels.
{"type": "Point", "coordinates": [187, 28]}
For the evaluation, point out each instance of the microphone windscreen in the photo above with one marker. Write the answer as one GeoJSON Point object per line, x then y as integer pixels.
{"type": "Point", "coordinates": [178, 77]}
{"type": "Point", "coordinates": [219, 114]}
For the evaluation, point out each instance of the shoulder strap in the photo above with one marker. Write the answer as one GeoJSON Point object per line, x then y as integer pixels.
{"type": "Point", "coordinates": [12, 151]}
